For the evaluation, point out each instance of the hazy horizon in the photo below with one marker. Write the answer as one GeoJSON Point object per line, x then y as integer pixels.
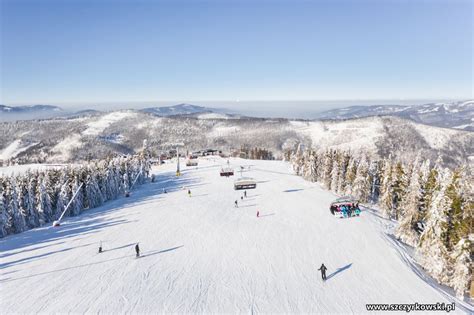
{"type": "Point", "coordinates": [259, 108]}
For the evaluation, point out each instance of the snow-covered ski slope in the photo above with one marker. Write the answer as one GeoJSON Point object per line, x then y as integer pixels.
{"type": "Point", "coordinates": [200, 254]}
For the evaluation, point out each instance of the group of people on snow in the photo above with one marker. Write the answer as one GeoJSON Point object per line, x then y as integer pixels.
{"type": "Point", "coordinates": [347, 210]}
{"type": "Point", "coordinates": [236, 203]}
{"type": "Point", "coordinates": [137, 249]}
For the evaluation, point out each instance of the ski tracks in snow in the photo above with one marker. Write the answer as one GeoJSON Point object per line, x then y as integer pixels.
{"type": "Point", "coordinates": [202, 255]}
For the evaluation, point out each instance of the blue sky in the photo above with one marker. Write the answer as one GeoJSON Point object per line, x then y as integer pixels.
{"type": "Point", "coordinates": [72, 52]}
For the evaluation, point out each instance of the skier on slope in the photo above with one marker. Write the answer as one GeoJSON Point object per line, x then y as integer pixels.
{"type": "Point", "coordinates": [236, 204]}
{"type": "Point", "coordinates": [258, 214]}
{"type": "Point", "coordinates": [189, 192]}
{"type": "Point", "coordinates": [323, 271]}
{"type": "Point", "coordinates": [137, 250]}
{"type": "Point", "coordinates": [100, 247]}
{"type": "Point", "coordinates": [245, 193]}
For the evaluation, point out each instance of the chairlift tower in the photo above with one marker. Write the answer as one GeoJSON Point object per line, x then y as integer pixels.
{"type": "Point", "coordinates": [178, 172]}
{"type": "Point", "coordinates": [176, 145]}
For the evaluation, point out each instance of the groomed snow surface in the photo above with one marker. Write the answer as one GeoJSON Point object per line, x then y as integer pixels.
{"type": "Point", "coordinates": [200, 254]}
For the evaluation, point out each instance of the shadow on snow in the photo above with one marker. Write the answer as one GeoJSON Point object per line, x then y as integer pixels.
{"type": "Point", "coordinates": [146, 254]}
{"type": "Point", "coordinates": [339, 270]}
{"type": "Point", "coordinates": [31, 258]}
{"type": "Point", "coordinates": [293, 190]}
{"type": "Point", "coordinates": [93, 220]}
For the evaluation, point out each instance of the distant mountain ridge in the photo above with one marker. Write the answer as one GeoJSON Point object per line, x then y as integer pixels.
{"type": "Point", "coordinates": [457, 115]}
{"type": "Point", "coordinates": [12, 113]}
{"type": "Point", "coordinates": [29, 108]}
{"type": "Point", "coordinates": [102, 134]}
{"type": "Point", "coordinates": [180, 109]}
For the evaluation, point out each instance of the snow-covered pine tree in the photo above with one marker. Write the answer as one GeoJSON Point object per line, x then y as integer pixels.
{"type": "Point", "coordinates": [319, 157]}
{"type": "Point", "coordinates": [18, 220]}
{"type": "Point", "coordinates": [44, 205]}
{"type": "Point", "coordinates": [109, 189]}
{"type": "Point", "coordinates": [432, 250]}
{"type": "Point", "coordinates": [114, 177]}
{"type": "Point", "coordinates": [306, 167]}
{"type": "Point", "coordinates": [78, 203]}
{"type": "Point", "coordinates": [350, 175]}
{"type": "Point", "coordinates": [438, 165]}
{"type": "Point", "coordinates": [63, 198]}
{"type": "Point", "coordinates": [51, 178]}
{"type": "Point", "coordinates": [429, 184]}
{"type": "Point", "coordinates": [296, 160]}
{"type": "Point", "coordinates": [454, 213]}
{"type": "Point", "coordinates": [147, 164]}
{"type": "Point", "coordinates": [5, 218]}
{"type": "Point", "coordinates": [101, 178]}
{"type": "Point", "coordinates": [462, 262]}
{"type": "Point", "coordinates": [140, 166]}
{"type": "Point", "coordinates": [407, 230]}
{"type": "Point", "coordinates": [425, 170]}
{"type": "Point", "coordinates": [458, 230]}
{"type": "Point", "coordinates": [399, 180]}
{"type": "Point", "coordinates": [33, 215]}
{"type": "Point", "coordinates": [313, 174]}
{"type": "Point", "coordinates": [336, 168]}
{"type": "Point", "coordinates": [24, 201]}
{"type": "Point", "coordinates": [341, 181]}
{"type": "Point", "coordinates": [361, 186]}
{"type": "Point", "coordinates": [386, 190]}
{"type": "Point", "coordinates": [60, 179]}
{"type": "Point", "coordinates": [327, 168]}
{"type": "Point", "coordinates": [93, 193]}
{"type": "Point", "coordinates": [126, 182]}
{"type": "Point", "coordinates": [118, 178]}
{"type": "Point", "coordinates": [374, 179]}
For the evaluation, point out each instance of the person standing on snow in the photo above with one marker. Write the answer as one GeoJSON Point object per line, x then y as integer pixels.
{"type": "Point", "coordinates": [245, 193]}
{"type": "Point", "coordinates": [236, 204]}
{"type": "Point", "coordinates": [100, 247]}
{"type": "Point", "coordinates": [189, 192]}
{"type": "Point", "coordinates": [137, 250]}
{"type": "Point", "coordinates": [258, 214]}
{"type": "Point", "coordinates": [323, 271]}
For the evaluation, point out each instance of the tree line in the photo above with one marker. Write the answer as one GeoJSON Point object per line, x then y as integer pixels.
{"type": "Point", "coordinates": [255, 153]}
{"type": "Point", "coordinates": [433, 205]}
{"type": "Point", "coordinates": [36, 197]}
